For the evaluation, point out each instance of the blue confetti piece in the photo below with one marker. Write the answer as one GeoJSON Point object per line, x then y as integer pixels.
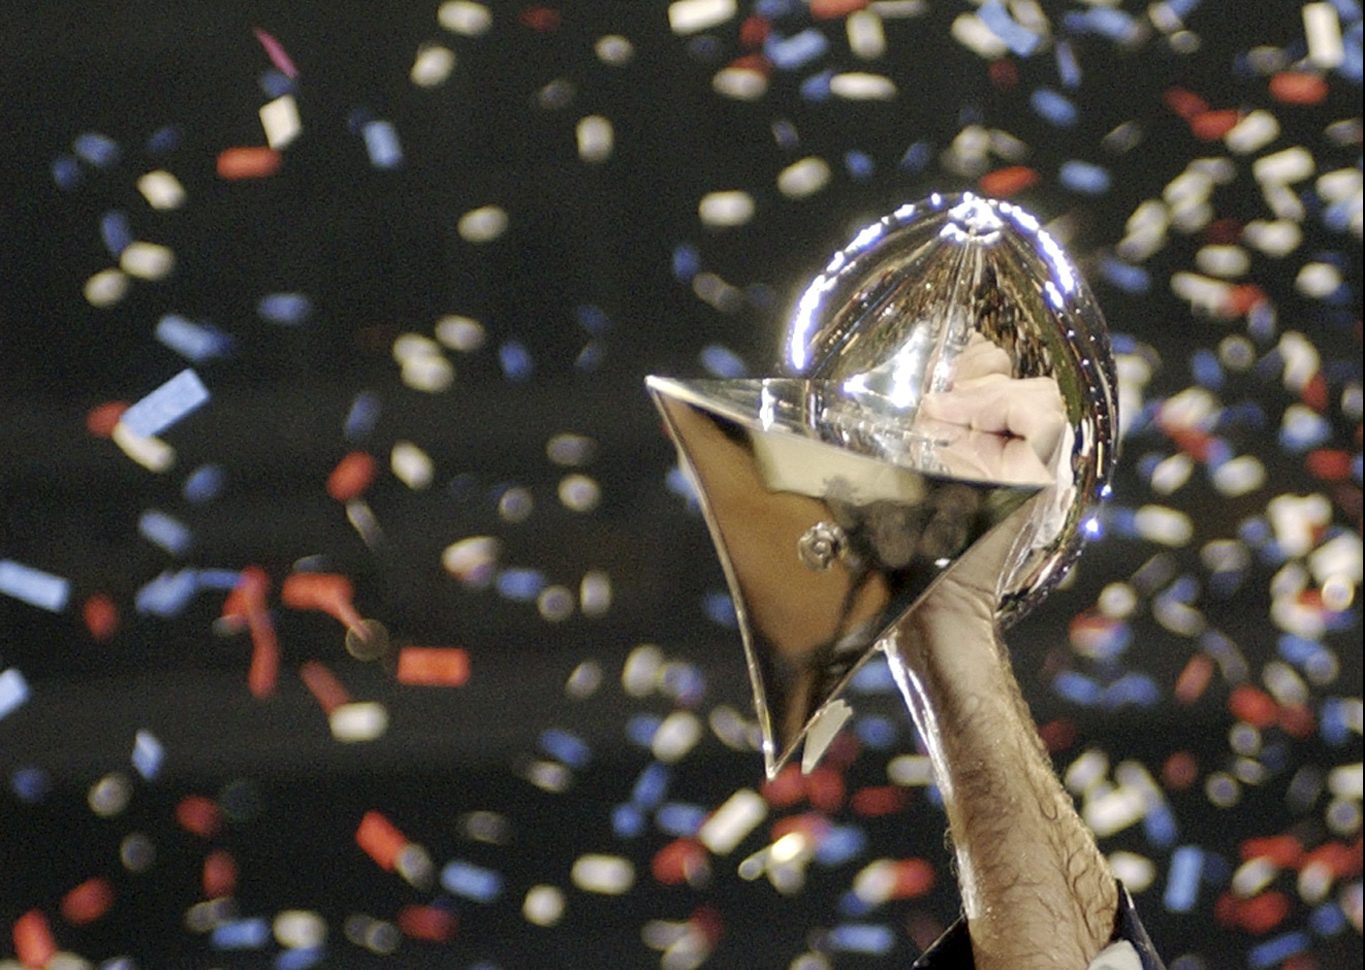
{"type": "Point", "coordinates": [218, 578]}
{"type": "Point", "coordinates": [1136, 689]}
{"type": "Point", "coordinates": [1055, 107]}
{"type": "Point", "coordinates": [33, 586]}
{"type": "Point", "coordinates": [719, 609]}
{"type": "Point", "coordinates": [593, 319]}
{"type": "Point", "coordinates": [168, 404]}
{"type": "Point", "coordinates": [1333, 725]}
{"type": "Point", "coordinates": [876, 732]}
{"type": "Point", "coordinates": [566, 746]}
{"type": "Point", "coordinates": [679, 819]}
{"type": "Point", "coordinates": [240, 934]}
{"type": "Point", "coordinates": [196, 342]}
{"type": "Point", "coordinates": [1084, 177]}
{"type": "Point", "coordinates": [148, 754]}
{"type": "Point", "coordinates": [96, 149]}
{"type": "Point", "coordinates": [816, 87]}
{"type": "Point", "coordinates": [362, 417]}
{"type": "Point", "coordinates": [1327, 919]}
{"type": "Point", "coordinates": [1183, 8]}
{"type": "Point", "coordinates": [116, 231]}
{"type": "Point", "coordinates": [382, 145]}
{"type": "Point", "coordinates": [684, 681]}
{"type": "Point", "coordinates": [1160, 827]}
{"type": "Point", "coordinates": [686, 262]}
{"type": "Point", "coordinates": [790, 53]}
{"type": "Point", "coordinates": [859, 165]}
{"type": "Point", "coordinates": [1273, 952]}
{"type": "Point", "coordinates": [873, 939]}
{"type": "Point", "coordinates": [14, 691]}
{"type": "Point", "coordinates": [853, 906]}
{"type": "Point", "coordinates": [1068, 68]}
{"type": "Point", "coordinates": [917, 157]}
{"type": "Point", "coordinates": [204, 484]}
{"type": "Point", "coordinates": [842, 843]}
{"type": "Point", "coordinates": [1077, 688]}
{"type": "Point", "coordinates": [873, 677]}
{"type": "Point", "coordinates": [774, 9]}
{"type": "Point", "coordinates": [520, 585]}
{"type": "Point", "coordinates": [275, 83]}
{"type": "Point", "coordinates": [627, 821]}
{"type": "Point", "coordinates": [165, 531]}
{"type": "Point", "coordinates": [1109, 22]}
{"type": "Point", "coordinates": [302, 958]}
{"type": "Point", "coordinates": [641, 729]}
{"type": "Point", "coordinates": [31, 785]}
{"type": "Point", "coordinates": [1182, 879]}
{"type": "Point", "coordinates": [651, 785]}
{"type": "Point", "coordinates": [590, 357]}
{"type": "Point", "coordinates": [1304, 429]}
{"type": "Point", "coordinates": [679, 483]}
{"type": "Point", "coordinates": [286, 309]}
{"type": "Point", "coordinates": [66, 172]}
{"type": "Point", "coordinates": [720, 361]}
{"type": "Point", "coordinates": [167, 595]}
{"type": "Point", "coordinates": [469, 881]}
{"type": "Point", "coordinates": [1018, 38]}
{"type": "Point", "coordinates": [515, 361]}
{"type": "Point", "coordinates": [164, 139]}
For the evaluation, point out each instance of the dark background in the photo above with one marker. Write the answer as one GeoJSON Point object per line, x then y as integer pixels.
{"type": "Point", "coordinates": [378, 254]}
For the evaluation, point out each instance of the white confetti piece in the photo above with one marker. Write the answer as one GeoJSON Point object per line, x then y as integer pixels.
{"type": "Point", "coordinates": [694, 16]}
{"type": "Point", "coordinates": [726, 209]}
{"type": "Point", "coordinates": [147, 261]}
{"type": "Point", "coordinates": [729, 824]}
{"type": "Point", "coordinates": [106, 288]}
{"type": "Point", "coordinates": [281, 122]}
{"type": "Point", "coordinates": [608, 875]}
{"type": "Point", "coordinates": [595, 138]}
{"type": "Point", "coordinates": [861, 86]}
{"type": "Point", "coordinates": [162, 190]}
{"type": "Point", "coordinates": [464, 17]}
{"type": "Point", "coordinates": [483, 224]}
{"type": "Point", "coordinates": [432, 66]}
{"type": "Point", "coordinates": [803, 177]}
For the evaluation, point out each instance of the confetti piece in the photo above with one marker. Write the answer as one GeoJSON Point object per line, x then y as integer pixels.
{"type": "Point", "coordinates": [483, 225]}
{"type": "Point", "coordinates": [433, 666]}
{"type": "Point", "coordinates": [382, 145]}
{"type": "Point", "coordinates": [276, 52]}
{"type": "Point", "coordinates": [162, 190]}
{"type": "Point", "coordinates": [281, 122]}
{"type": "Point", "coordinates": [237, 164]}
{"type": "Point", "coordinates": [694, 16]}
{"type": "Point", "coordinates": [34, 586]}
{"type": "Point", "coordinates": [168, 404]}
{"type": "Point", "coordinates": [607, 875]}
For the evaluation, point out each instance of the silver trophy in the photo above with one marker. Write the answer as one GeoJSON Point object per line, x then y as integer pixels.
{"type": "Point", "coordinates": [948, 368]}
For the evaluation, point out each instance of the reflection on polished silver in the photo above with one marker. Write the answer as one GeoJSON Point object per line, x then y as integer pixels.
{"type": "Point", "coordinates": [947, 368]}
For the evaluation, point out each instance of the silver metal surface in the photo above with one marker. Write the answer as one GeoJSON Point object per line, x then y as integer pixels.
{"type": "Point", "coordinates": [948, 367]}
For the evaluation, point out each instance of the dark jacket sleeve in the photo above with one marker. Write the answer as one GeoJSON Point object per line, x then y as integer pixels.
{"type": "Point", "coordinates": [1130, 948]}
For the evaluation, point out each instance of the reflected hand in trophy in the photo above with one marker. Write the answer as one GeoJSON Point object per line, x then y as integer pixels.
{"type": "Point", "coordinates": [944, 408]}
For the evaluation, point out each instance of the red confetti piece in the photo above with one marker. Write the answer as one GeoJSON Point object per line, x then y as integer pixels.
{"type": "Point", "coordinates": [1298, 721]}
{"type": "Point", "coordinates": [101, 616]}
{"type": "Point", "coordinates": [541, 19]}
{"type": "Point", "coordinates": [220, 874]}
{"type": "Point", "coordinates": [324, 686]}
{"type": "Point", "coordinates": [430, 924]}
{"type": "Point", "coordinates": [33, 942]}
{"type": "Point", "coordinates": [88, 901]}
{"type": "Point", "coordinates": [709, 921]}
{"type": "Point", "coordinates": [914, 878]}
{"type": "Point", "coordinates": [1180, 771]}
{"type": "Point", "coordinates": [1058, 735]}
{"type": "Point", "coordinates": [1314, 392]}
{"type": "Point", "coordinates": [1185, 103]}
{"type": "Point", "coordinates": [433, 666]}
{"type": "Point", "coordinates": [1261, 914]}
{"type": "Point", "coordinates": [327, 592]}
{"type": "Point", "coordinates": [236, 164]}
{"type": "Point", "coordinates": [100, 419]}
{"type": "Point", "coordinates": [199, 816]}
{"type": "Point", "coordinates": [813, 825]}
{"type": "Point", "coordinates": [880, 800]}
{"type": "Point", "coordinates": [1004, 74]}
{"type": "Point", "coordinates": [380, 840]}
{"type": "Point", "coordinates": [754, 31]}
{"type": "Point", "coordinates": [1253, 705]}
{"type": "Point", "coordinates": [1213, 125]}
{"type": "Point", "coordinates": [829, 9]}
{"type": "Point", "coordinates": [786, 789]}
{"type": "Point", "coordinates": [264, 670]}
{"type": "Point", "coordinates": [1285, 851]}
{"type": "Point", "coordinates": [1005, 182]}
{"type": "Point", "coordinates": [352, 475]}
{"type": "Point", "coordinates": [1194, 679]}
{"type": "Point", "coordinates": [277, 54]}
{"type": "Point", "coordinates": [1330, 465]}
{"type": "Point", "coordinates": [1343, 860]}
{"type": "Point", "coordinates": [680, 861]}
{"type": "Point", "coordinates": [825, 789]}
{"type": "Point", "coordinates": [1241, 300]}
{"type": "Point", "coordinates": [1298, 87]}
{"type": "Point", "coordinates": [1223, 232]}
{"type": "Point", "coordinates": [752, 62]}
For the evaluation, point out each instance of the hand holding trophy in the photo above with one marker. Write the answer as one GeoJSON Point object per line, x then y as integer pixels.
{"type": "Point", "coordinates": [917, 476]}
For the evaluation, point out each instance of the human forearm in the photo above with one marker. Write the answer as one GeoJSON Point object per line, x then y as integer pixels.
{"type": "Point", "coordinates": [1036, 890]}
